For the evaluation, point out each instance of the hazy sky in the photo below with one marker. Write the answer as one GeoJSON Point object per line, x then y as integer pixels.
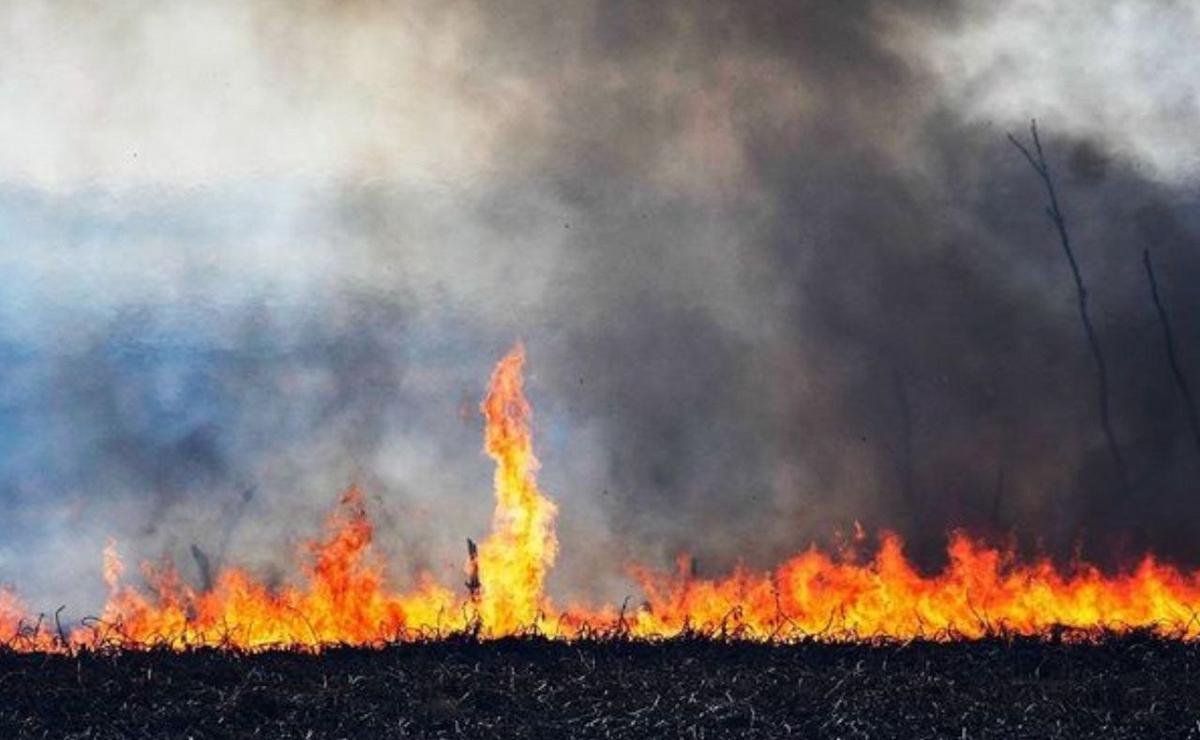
{"type": "Point", "coordinates": [775, 265]}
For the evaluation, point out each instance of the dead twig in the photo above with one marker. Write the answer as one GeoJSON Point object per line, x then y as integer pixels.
{"type": "Point", "coordinates": [1169, 341]}
{"type": "Point", "coordinates": [1037, 160]}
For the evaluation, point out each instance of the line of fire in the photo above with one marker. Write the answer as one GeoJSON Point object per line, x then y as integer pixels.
{"type": "Point", "coordinates": [342, 596]}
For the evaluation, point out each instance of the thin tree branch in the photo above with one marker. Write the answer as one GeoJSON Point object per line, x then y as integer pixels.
{"type": "Point", "coordinates": [1037, 160]}
{"type": "Point", "coordinates": [1172, 359]}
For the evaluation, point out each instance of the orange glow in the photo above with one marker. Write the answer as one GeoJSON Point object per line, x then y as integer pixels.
{"type": "Point", "coordinates": [344, 594]}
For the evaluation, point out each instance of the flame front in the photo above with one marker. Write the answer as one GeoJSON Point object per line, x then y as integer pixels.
{"type": "Point", "coordinates": [981, 591]}
{"type": "Point", "coordinates": [344, 596]}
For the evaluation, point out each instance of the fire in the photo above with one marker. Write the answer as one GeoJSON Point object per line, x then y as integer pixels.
{"type": "Point", "coordinates": [981, 591]}
{"type": "Point", "coordinates": [344, 599]}
{"type": "Point", "coordinates": [345, 596]}
{"type": "Point", "coordinates": [514, 559]}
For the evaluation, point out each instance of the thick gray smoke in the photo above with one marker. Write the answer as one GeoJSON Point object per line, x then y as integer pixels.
{"type": "Point", "coordinates": [775, 264]}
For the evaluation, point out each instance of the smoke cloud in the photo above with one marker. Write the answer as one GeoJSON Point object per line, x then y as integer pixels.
{"type": "Point", "coordinates": [776, 267]}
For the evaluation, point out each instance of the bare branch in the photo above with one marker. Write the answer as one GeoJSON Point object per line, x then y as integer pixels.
{"type": "Point", "coordinates": [1169, 341]}
{"type": "Point", "coordinates": [1037, 160]}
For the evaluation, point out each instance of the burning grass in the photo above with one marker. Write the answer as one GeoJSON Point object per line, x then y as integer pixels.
{"type": "Point", "coordinates": [343, 594]}
{"type": "Point", "coordinates": [842, 644]}
{"type": "Point", "coordinates": [1129, 685]}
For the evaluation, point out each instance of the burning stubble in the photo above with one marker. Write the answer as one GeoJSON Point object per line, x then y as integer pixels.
{"type": "Point", "coordinates": [343, 597]}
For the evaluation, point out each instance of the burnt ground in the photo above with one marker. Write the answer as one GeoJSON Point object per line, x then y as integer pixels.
{"type": "Point", "coordinates": [1134, 686]}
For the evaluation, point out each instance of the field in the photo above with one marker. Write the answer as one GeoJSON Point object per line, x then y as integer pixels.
{"type": "Point", "coordinates": [1130, 686]}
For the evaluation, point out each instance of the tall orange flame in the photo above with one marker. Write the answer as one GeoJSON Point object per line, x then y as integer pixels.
{"type": "Point", "coordinates": [514, 559]}
{"type": "Point", "coordinates": [344, 596]}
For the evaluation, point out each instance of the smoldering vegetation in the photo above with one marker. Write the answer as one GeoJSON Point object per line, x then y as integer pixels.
{"type": "Point", "coordinates": [773, 276]}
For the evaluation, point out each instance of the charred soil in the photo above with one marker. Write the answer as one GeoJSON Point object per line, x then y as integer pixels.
{"type": "Point", "coordinates": [1131, 686]}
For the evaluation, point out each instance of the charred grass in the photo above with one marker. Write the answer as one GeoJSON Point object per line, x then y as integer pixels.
{"type": "Point", "coordinates": [1117, 686]}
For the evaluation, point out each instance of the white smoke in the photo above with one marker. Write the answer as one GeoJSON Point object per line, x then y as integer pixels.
{"type": "Point", "coordinates": [1125, 73]}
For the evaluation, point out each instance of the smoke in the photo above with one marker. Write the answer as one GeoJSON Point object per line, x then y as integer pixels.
{"type": "Point", "coordinates": [1119, 73]}
{"type": "Point", "coordinates": [776, 267]}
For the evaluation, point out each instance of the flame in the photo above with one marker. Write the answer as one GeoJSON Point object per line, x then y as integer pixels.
{"type": "Point", "coordinates": [344, 599]}
{"type": "Point", "coordinates": [981, 591]}
{"type": "Point", "coordinates": [514, 559]}
{"type": "Point", "coordinates": [344, 595]}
